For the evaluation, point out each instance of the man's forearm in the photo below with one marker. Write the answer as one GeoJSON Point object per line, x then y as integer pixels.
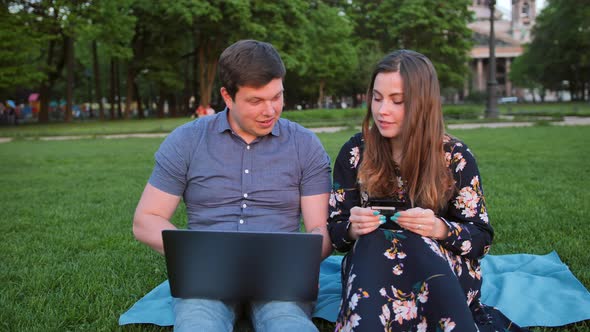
{"type": "Point", "coordinates": [326, 243]}
{"type": "Point", "coordinates": [148, 229]}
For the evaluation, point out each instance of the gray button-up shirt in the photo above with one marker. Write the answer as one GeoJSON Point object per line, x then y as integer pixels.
{"type": "Point", "coordinates": [228, 184]}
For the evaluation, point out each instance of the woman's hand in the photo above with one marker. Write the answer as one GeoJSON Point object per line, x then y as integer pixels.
{"type": "Point", "coordinates": [363, 221]}
{"type": "Point", "coordinates": [423, 222]}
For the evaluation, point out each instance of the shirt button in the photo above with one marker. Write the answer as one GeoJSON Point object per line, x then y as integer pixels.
{"type": "Point", "coordinates": [245, 195]}
{"type": "Point", "coordinates": [244, 206]}
{"type": "Point", "coordinates": [241, 221]}
{"type": "Point", "coordinates": [246, 171]}
{"type": "Point", "coordinates": [248, 147]}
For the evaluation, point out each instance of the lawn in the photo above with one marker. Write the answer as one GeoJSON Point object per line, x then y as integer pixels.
{"type": "Point", "coordinates": [308, 118]}
{"type": "Point", "coordinates": [69, 260]}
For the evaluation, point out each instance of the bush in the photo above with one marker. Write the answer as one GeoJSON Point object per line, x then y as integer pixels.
{"type": "Point", "coordinates": [477, 97]}
{"type": "Point", "coordinates": [457, 112]}
{"type": "Point", "coordinates": [327, 117]}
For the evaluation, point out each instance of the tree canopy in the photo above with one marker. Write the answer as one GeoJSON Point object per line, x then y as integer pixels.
{"type": "Point", "coordinates": [558, 57]}
{"type": "Point", "coordinates": [141, 53]}
{"type": "Point", "coordinates": [16, 68]}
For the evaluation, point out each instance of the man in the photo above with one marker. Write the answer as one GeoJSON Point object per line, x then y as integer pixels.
{"type": "Point", "coordinates": [243, 169]}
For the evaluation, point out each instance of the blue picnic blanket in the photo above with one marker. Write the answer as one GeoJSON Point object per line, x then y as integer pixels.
{"type": "Point", "coordinates": [531, 290]}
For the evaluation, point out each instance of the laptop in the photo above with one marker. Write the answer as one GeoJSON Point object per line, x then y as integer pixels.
{"type": "Point", "coordinates": [227, 265]}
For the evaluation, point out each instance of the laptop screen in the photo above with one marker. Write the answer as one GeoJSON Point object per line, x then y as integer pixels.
{"type": "Point", "coordinates": [243, 265]}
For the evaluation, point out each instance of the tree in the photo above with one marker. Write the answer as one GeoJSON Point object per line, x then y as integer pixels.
{"type": "Point", "coordinates": [526, 72]}
{"type": "Point", "coordinates": [165, 47]}
{"type": "Point", "coordinates": [560, 47]}
{"type": "Point", "coordinates": [216, 24]}
{"type": "Point", "coordinates": [46, 19]}
{"type": "Point", "coordinates": [210, 24]}
{"type": "Point", "coordinates": [158, 44]}
{"type": "Point", "coordinates": [106, 36]}
{"type": "Point", "coordinates": [367, 43]}
{"type": "Point", "coordinates": [56, 24]}
{"type": "Point", "coordinates": [19, 52]}
{"type": "Point", "coordinates": [438, 29]}
{"type": "Point", "coordinates": [334, 54]}
{"type": "Point", "coordinates": [285, 24]}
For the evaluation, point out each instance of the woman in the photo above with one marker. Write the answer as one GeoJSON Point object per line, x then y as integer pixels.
{"type": "Point", "coordinates": [419, 268]}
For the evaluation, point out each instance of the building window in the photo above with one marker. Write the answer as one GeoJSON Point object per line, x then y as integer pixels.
{"type": "Point", "coordinates": [525, 10]}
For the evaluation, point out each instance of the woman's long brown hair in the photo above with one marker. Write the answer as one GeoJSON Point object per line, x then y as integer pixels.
{"type": "Point", "coordinates": [428, 181]}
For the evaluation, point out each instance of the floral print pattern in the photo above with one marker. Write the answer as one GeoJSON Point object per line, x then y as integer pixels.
{"type": "Point", "coordinates": [354, 160]}
{"type": "Point", "coordinates": [389, 287]}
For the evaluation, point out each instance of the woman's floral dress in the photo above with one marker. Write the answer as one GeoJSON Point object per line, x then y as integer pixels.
{"type": "Point", "coordinates": [396, 280]}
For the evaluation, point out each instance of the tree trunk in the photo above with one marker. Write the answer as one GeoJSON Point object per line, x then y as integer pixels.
{"type": "Point", "coordinates": [113, 90]}
{"type": "Point", "coordinates": [45, 89]}
{"type": "Point", "coordinates": [172, 105]}
{"type": "Point", "coordinates": [355, 102]}
{"type": "Point", "coordinates": [573, 90]}
{"type": "Point", "coordinates": [44, 97]}
{"type": "Point", "coordinates": [321, 93]}
{"type": "Point", "coordinates": [197, 83]}
{"type": "Point", "coordinates": [161, 101]}
{"type": "Point", "coordinates": [97, 83]}
{"type": "Point", "coordinates": [203, 86]}
{"type": "Point", "coordinates": [118, 90]}
{"type": "Point", "coordinates": [69, 49]}
{"type": "Point", "coordinates": [53, 73]}
{"type": "Point", "coordinates": [185, 109]}
{"type": "Point", "coordinates": [129, 98]}
{"type": "Point", "coordinates": [140, 114]}
{"type": "Point", "coordinates": [207, 69]}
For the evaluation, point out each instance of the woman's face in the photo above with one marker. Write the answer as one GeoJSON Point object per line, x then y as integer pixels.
{"type": "Point", "coordinates": [387, 105]}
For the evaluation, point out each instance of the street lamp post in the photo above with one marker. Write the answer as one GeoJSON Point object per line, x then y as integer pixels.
{"type": "Point", "coordinates": [492, 107]}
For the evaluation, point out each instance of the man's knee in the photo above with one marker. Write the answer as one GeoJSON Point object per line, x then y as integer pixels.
{"type": "Point", "coordinates": [282, 316]}
{"type": "Point", "coordinates": [203, 315]}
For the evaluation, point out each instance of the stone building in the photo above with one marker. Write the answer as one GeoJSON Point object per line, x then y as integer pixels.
{"type": "Point", "coordinates": [510, 36]}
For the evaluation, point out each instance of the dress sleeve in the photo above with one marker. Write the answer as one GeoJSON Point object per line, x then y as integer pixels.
{"type": "Point", "coordinates": [345, 194]}
{"type": "Point", "coordinates": [470, 233]}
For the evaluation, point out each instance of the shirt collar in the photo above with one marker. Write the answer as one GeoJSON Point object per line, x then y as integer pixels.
{"type": "Point", "coordinates": [222, 123]}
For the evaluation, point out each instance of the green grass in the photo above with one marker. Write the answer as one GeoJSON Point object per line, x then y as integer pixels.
{"type": "Point", "coordinates": [547, 109]}
{"type": "Point", "coordinates": [69, 262]}
{"type": "Point", "coordinates": [308, 118]}
{"type": "Point", "coordinates": [92, 127]}
{"type": "Point", "coordinates": [516, 112]}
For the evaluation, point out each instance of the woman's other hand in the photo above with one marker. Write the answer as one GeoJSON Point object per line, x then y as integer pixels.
{"type": "Point", "coordinates": [423, 222]}
{"type": "Point", "coordinates": [363, 221]}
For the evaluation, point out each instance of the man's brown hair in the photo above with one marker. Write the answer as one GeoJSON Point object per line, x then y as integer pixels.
{"type": "Point", "coordinates": [249, 63]}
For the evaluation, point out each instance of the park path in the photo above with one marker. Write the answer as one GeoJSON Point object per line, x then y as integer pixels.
{"type": "Point", "coordinates": [567, 121]}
